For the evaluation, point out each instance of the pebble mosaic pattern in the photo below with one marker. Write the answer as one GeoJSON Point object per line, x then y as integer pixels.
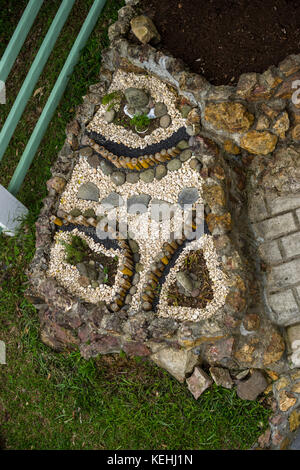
{"type": "Point", "coordinates": [151, 267]}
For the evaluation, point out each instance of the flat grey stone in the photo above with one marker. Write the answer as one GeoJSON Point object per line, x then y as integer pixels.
{"type": "Point", "coordinates": [188, 196]}
{"type": "Point", "coordinates": [86, 152]}
{"type": "Point", "coordinates": [82, 269]}
{"type": "Point", "coordinates": [88, 192]}
{"type": "Point", "coordinates": [284, 308]}
{"type": "Point", "coordinates": [93, 161]}
{"type": "Point", "coordinates": [106, 167]}
{"type": "Point", "coordinates": [185, 281]}
{"type": "Point", "coordinates": [136, 97]}
{"type": "Point", "coordinates": [138, 204]}
{"type": "Point", "coordinates": [118, 178]}
{"type": "Point", "coordinates": [174, 164]}
{"type": "Point", "coordinates": [160, 172]}
{"type": "Point", "coordinates": [112, 200]}
{"type": "Point", "coordinates": [185, 109]}
{"type": "Point", "coordinates": [147, 176]}
{"type": "Point", "coordinates": [75, 212]}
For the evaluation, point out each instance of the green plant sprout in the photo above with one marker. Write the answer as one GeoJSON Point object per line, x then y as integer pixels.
{"type": "Point", "coordinates": [140, 122]}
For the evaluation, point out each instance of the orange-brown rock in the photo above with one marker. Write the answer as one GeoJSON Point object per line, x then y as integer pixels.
{"type": "Point", "coordinates": [286, 400]}
{"type": "Point", "coordinates": [274, 350]}
{"type": "Point", "coordinates": [219, 221]}
{"type": "Point", "coordinates": [214, 195]}
{"type": "Point", "coordinates": [281, 125]}
{"type": "Point", "coordinates": [294, 420]}
{"type": "Point", "coordinates": [286, 89]}
{"type": "Point", "coordinates": [296, 133]}
{"type": "Point", "coordinates": [251, 322]}
{"type": "Point", "coordinates": [231, 147]}
{"type": "Point", "coordinates": [259, 143]}
{"type": "Point", "coordinates": [229, 117]}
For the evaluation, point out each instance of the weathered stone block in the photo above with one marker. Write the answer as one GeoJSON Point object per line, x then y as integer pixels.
{"type": "Point", "coordinates": [284, 203]}
{"type": "Point", "coordinates": [291, 245]}
{"type": "Point", "coordinates": [284, 275]}
{"type": "Point", "coordinates": [285, 310]}
{"type": "Point", "coordinates": [257, 209]}
{"type": "Point", "coordinates": [270, 252]}
{"type": "Point", "coordinates": [276, 227]}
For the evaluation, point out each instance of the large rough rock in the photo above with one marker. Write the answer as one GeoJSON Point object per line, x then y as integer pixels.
{"type": "Point", "coordinates": [229, 117]}
{"type": "Point", "coordinates": [198, 382]}
{"type": "Point", "coordinates": [144, 29]}
{"type": "Point", "coordinates": [178, 363]}
{"type": "Point", "coordinates": [136, 98]}
{"type": "Point", "coordinates": [254, 386]}
{"type": "Point", "coordinates": [259, 143]}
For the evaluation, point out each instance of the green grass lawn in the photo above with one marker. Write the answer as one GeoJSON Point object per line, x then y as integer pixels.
{"type": "Point", "coordinates": [61, 401]}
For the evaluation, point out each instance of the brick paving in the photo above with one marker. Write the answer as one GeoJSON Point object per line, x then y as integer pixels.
{"type": "Point", "coordinates": [276, 225]}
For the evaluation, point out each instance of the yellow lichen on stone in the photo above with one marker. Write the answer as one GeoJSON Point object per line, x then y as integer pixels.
{"type": "Point", "coordinates": [230, 117]}
{"type": "Point", "coordinates": [231, 147]}
{"type": "Point", "coordinates": [259, 143]}
{"type": "Point", "coordinates": [294, 420]}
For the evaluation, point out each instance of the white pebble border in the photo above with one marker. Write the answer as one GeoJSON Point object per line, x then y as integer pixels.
{"type": "Point", "coordinates": [217, 277]}
{"type": "Point", "coordinates": [68, 275]}
{"type": "Point", "coordinates": [158, 91]}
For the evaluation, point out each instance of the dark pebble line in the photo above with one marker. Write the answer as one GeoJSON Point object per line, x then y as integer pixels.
{"type": "Point", "coordinates": [123, 150]}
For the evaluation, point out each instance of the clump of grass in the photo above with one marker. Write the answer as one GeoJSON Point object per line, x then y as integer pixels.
{"type": "Point", "coordinates": [76, 251]}
{"type": "Point", "coordinates": [140, 122]}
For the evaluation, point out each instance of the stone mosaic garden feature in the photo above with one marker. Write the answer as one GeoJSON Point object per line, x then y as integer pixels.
{"type": "Point", "coordinates": [228, 162]}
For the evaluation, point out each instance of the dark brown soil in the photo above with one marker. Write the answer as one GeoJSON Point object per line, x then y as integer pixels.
{"type": "Point", "coordinates": [194, 263]}
{"type": "Point", "coordinates": [221, 39]}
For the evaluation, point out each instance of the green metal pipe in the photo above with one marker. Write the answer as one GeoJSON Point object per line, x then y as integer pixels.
{"type": "Point", "coordinates": [18, 38]}
{"type": "Point", "coordinates": [34, 74]}
{"type": "Point", "coordinates": [55, 97]}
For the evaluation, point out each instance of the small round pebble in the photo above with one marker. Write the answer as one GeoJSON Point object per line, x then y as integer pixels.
{"type": "Point", "coordinates": [185, 155]}
{"type": "Point", "coordinates": [106, 167]}
{"type": "Point", "coordinates": [165, 121]}
{"type": "Point", "coordinates": [160, 172]}
{"type": "Point", "coordinates": [118, 178]}
{"type": "Point", "coordinates": [174, 164]}
{"type": "Point", "coordinates": [147, 176]}
{"type": "Point", "coordinates": [183, 144]}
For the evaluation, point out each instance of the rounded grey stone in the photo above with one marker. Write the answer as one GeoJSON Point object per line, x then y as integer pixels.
{"type": "Point", "coordinates": [165, 121]}
{"type": "Point", "coordinates": [118, 178]}
{"type": "Point", "coordinates": [160, 172]}
{"type": "Point", "coordinates": [147, 176]}
{"type": "Point", "coordinates": [132, 178]}
{"type": "Point", "coordinates": [135, 279]}
{"type": "Point", "coordinates": [89, 213]}
{"type": "Point", "coordinates": [188, 196]}
{"type": "Point", "coordinates": [185, 155]}
{"type": "Point", "coordinates": [160, 109]}
{"type": "Point", "coordinates": [139, 267]}
{"type": "Point", "coordinates": [185, 109]}
{"type": "Point", "coordinates": [128, 299]}
{"type": "Point", "coordinates": [174, 164]}
{"type": "Point", "coordinates": [88, 192]}
{"type": "Point", "coordinates": [109, 116]}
